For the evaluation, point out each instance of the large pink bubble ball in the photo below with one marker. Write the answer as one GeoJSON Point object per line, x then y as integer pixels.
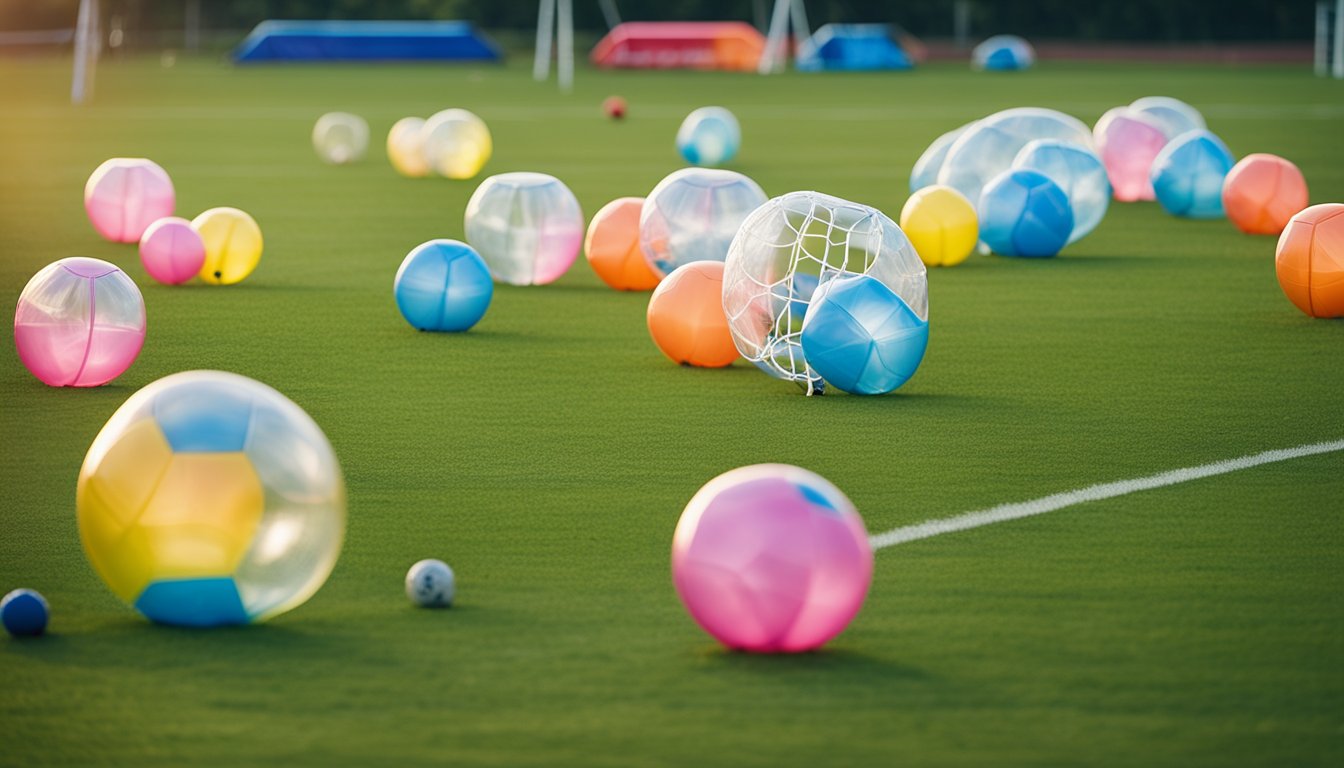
{"type": "Point", "coordinates": [127, 194]}
{"type": "Point", "coordinates": [771, 558]}
{"type": "Point", "coordinates": [172, 251]}
{"type": "Point", "coordinates": [1128, 141]}
{"type": "Point", "coordinates": [79, 323]}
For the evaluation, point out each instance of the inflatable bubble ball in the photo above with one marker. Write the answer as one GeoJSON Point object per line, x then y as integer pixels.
{"type": "Point", "coordinates": [1309, 260]}
{"type": "Point", "coordinates": [925, 172]}
{"type": "Point", "coordinates": [686, 318]}
{"type": "Point", "coordinates": [709, 136]}
{"type": "Point", "coordinates": [1173, 115]}
{"type": "Point", "coordinates": [340, 138]}
{"type": "Point", "coordinates": [125, 195]}
{"type": "Point", "coordinates": [456, 143]}
{"type": "Point", "coordinates": [860, 337]}
{"type": "Point", "coordinates": [79, 323]}
{"type": "Point", "coordinates": [1003, 53]}
{"type": "Point", "coordinates": [443, 285]}
{"type": "Point", "coordinates": [753, 545]}
{"type": "Point", "coordinates": [1262, 192]}
{"type": "Point", "coordinates": [1024, 213]}
{"type": "Point", "coordinates": [406, 148]}
{"type": "Point", "coordinates": [171, 251]}
{"type": "Point", "coordinates": [692, 215]}
{"type": "Point", "coordinates": [1128, 142]}
{"type": "Point", "coordinates": [1079, 172]}
{"type": "Point", "coordinates": [211, 499]}
{"type": "Point", "coordinates": [1188, 175]}
{"type": "Point", "coordinates": [527, 226]}
{"type": "Point", "coordinates": [786, 253]}
{"type": "Point", "coordinates": [989, 147]}
{"type": "Point", "coordinates": [232, 245]}
{"type": "Point", "coordinates": [612, 246]}
{"type": "Point", "coordinates": [941, 224]}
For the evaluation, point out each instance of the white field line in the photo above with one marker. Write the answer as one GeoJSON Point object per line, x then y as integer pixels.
{"type": "Point", "coordinates": [1016, 510]}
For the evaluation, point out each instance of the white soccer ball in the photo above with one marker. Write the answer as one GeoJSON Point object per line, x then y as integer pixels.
{"type": "Point", "coordinates": [430, 584]}
{"type": "Point", "coordinates": [340, 137]}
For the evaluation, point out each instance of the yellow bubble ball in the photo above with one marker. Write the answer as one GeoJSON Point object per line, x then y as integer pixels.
{"type": "Point", "coordinates": [232, 245]}
{"type": "Point", "coordinates": [406, 148]}
{"type": "Point", "coordinates": [456, 143]}
{"type": "Point", "coordinates": [941, 224]}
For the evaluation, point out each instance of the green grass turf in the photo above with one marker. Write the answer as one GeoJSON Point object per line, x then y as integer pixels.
{"type": "Point", "coordinates": [548, 453]}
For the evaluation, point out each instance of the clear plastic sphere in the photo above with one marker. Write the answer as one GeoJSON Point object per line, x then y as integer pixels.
{"type": "Point", "coordinates": [125, 195]}
{"type": "Point", "coordinates": [1003, 53]}
{"type": "Point", "coordinates": [1188, 175]}
{"type": "Point", "coordinates": [210, 499]}
{"type": "Point", "coordinates": [1173, 115]}
{"type": "Point", "coordinates": [709, 136]}
{"type": "Point", "coordinates": [925, 172]}
{"type": "Point", "coordinates": [989, 147]}
{"type": "Point", "coordinates": [456, 143]}
{"type": "Point", "coordinates": [172, 251]}
{"type": "Point", "coordinates": [1128, 141]}
{"type": "Point", "coordinates": [527, 226]}
{"type": "Point", "coordinates": [790, 248]}
{"type": "Point", "coordinates": [1079, 172]}
{"type": "Point", "coordinates": [340, 138]}
{"type": "Point", "coordinates": [693, 214]}
{"type": "Point", "coordinates": [79, 323]}
{"type": "Point", "coordinates": [406, 147]}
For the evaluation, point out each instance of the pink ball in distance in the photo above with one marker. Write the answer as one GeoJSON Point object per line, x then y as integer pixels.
{"type": "Point", "coordinates": [771, 558]}
{"type": "Point", "coordinates": [172, 251]}
{"type": "Point", "coordinates": [79, 323]}
{"type": "Point", "coordinates": [127, 194]}
{"type": "Point", "coordinates": [1128, 141]}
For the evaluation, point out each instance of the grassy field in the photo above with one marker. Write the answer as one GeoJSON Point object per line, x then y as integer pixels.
{"type": "Point", "coordinates": [548, 453]}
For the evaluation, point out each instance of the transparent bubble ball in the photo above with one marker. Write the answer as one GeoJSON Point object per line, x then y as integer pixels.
{"type": "Point", "coordinates": [527, 226]}
{"type": "Point", "coordinates": [456, 143]}
{"type": "Point", "coordinates": [989, 147]}
{"type": "Point", "coordinates": [1078, 172]}
{"type": "Point", "coordinates": [340, 138]}
{"type": "Point", "coordinates": [693, 214]}
{"type": "Point", "coordinates": [709, 136]}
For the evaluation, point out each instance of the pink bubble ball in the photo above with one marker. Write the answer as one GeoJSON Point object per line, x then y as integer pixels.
{"type": "Point", "coordinates": [172, 251]}
{"type": "Point", "coordinates": [1128, 141]}
{"type": "Point", "coordinates": [771, 558]}
{"type": "Point", "coordinates": [79, 323]}
{"type": "Point", "coordinates": [127, 194]}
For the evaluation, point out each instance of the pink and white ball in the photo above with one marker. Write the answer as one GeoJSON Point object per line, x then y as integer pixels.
{"type": "Point", "coordinates": [171, 251]}
{"type": "Point", "coordinates": [127, 194]}
{"type": "Point", "coordinates": [79, 323]}
{"type": "Point", "coordinates": [771, 558]}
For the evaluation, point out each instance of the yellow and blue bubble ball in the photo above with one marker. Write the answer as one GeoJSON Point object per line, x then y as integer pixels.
{"type": "Point", "coordinates": [942, 225]}
{"type": "Point", "coordinates": [1024, 213]}
{"type": "Point", "coordinates": [861, 337]}
{"type": "Point", "coordinates": [443, 285]}
{"type": "Point", "coordinates": [709, 136]}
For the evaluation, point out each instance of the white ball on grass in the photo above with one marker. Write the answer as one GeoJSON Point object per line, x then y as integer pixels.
{"type": "Point", "coordinates": [430, 584]}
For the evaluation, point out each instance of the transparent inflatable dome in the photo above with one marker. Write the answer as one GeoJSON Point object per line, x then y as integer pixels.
{"type": "Point", "coordinates": [693, 214]}
{"type": "Point", "coordinates": [527, 226]}
{"type": "Point", "coordinates": [340, 137]}
{"type": "Point", "coordinates": [793, 246]}
{"type": "Point", "coordinates": [209, 498]}
{"type": "Point", "coordinates": [925, 172]}
{"type": "Point", "coordinates": [1175, 116]}
{"type": "Point", "coordinates": [989, 146]}
{"type": "Point", "coordinates": [456, 143]}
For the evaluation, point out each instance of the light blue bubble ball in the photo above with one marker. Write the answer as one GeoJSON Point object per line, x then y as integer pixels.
{"type": "Point", "coordinates": [1079, 172]}
{"type": "Point", "coordinates": [709, 136]}
{"type": "Point", "coordinates": [1024, 213]}
{"type": "Point", "coordinates": [861, 337]}
{"type": "Point", "coordinates": [443, 285]}
{"type": "Point", "coordinates": [1188, 173]}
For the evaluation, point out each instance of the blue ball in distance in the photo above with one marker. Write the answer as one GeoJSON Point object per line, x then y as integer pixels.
{"type": "Point", "coordinates": [24, 613]}
{"type": "Point", "coordinates": [1024, 213]}
{"type": "Point", "coordinates": [443, 285]}
{"type": "Point", "coordinates": [1188, 173]}
{"type": "Point", "coordinates": [861, 337]}
{"type": "Point", "coordinates": [709, 136]}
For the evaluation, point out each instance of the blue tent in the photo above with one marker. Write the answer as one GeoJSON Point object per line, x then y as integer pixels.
{"type": "Point", "coordinates": [852, 47]}
{"type": "Point", "coordinates": [365, 41]}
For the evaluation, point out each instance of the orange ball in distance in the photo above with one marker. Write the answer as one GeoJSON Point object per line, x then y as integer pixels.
{"type": "Point", "coordinates": [686, 316]}
{"type": "Point", "coordinates": [1310, 260]}
{"type": "Point", "coordinates": [1262, 192]}
{"type": "Point", "coordinates": [612, 246]}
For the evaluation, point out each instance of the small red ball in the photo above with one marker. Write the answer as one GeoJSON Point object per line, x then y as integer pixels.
{"type": "Point", "coordinates": [614, 107]}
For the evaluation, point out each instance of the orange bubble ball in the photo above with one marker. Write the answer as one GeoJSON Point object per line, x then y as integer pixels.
{"type": "Point", "coordinates": [1262, 192]}
{"type": "Point", "coordinates": [612, 246]}
{"type": "Point", "coordinates": [686, 316]}
{"type": "Point", "coordinates": [1310, 260]}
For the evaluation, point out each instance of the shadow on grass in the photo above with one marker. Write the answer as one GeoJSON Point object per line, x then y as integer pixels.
{"type": "Point", "coordinates": [836, 664]}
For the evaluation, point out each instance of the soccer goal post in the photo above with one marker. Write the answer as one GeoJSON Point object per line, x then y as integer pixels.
{"type": "Point", "coordinates": [87, 44]}
{"type": "Point", "coordinates": [1329, 48]}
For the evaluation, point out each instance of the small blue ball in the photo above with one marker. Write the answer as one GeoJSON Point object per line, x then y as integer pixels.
{"type": "Point", "coordinates": [709, 136]}
{"type": "Point", "coordinates": [1024, 213]}
{"type": "Point", "coordinates": [443, 285]}
{"type": "Point", "coordinates": [863, 338]}
{"type": "Point", "coordinates": [1188, 173]}
{"type": "Point", "coordinates": [24, 613]}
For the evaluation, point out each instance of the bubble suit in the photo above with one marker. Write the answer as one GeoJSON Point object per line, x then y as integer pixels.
{"type": "Point", "coordinates": [79, 323]}
{"type": "Point", "coordinates": [1173, 115]}
{"type": "Point", "coordinates": [989, 147]}
{"type": "Point", "coordinates": [709, 136]}
{"type": "Point", "coordinates": [1128, 142]}
{"type": "Point", "coordinates": [1309, 260]}
{"type": "Point", "coordinates": [792, 247]}
{"type": "Point", "coordinates": [340, 138]}
{"type": "Point", "coordinates": [1024, 213]}
{"type": "Point", "coordinates": [125, 195]}
{"type": "Point", "coordinates": [771, 558]}
{"type": "Point", "coordinates": [527, 226]}
{"type": "Point", "coordinates": [171, 251]}
{"type": "Point", "coordinates": [1188, 175]}
{"type": "Point", "coordinates": [693, 214]}
{"type": "Point", "coordinates": [232, 245]}
{"type": "Point", "coordinates": [1078, 172]}
{"type": "Point", "coordinates": [1262, 192]}
{"type": "Point", "coordinates": [443, 285]}
{"type": "Point", "coordinates": [860, 337]}
{"type": "Point", "coordinates": [456, 143]}
{"type": "Point", "coordinates": [685, 316]}
{"type": "Point", "coordinates": [925, 172]}
{"type": "Point", "coordinates": [1003, 53]}
{"type": "Point", "coordinates": [612, 246]}
{"type": "Point", "coordinates": [406, 147]}
{"type": "Point", "coordinates": [211, 499]}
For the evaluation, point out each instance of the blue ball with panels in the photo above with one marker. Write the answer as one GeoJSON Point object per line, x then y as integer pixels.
{"type": "Point", "coordinates": [861, 337]}
{"type": "Point", "coordinates": [1024, 213]}
{"type": "Point", "coordinates": [1188, 173]}
{"type": "Point", "coordinates": [24, 613]}
{"type": "Point", "coordinates": [443, 285]}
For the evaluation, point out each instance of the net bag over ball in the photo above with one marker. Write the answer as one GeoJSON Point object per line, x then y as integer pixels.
{"type": "Point", "coordinates": [527, 226]}
{"type": "Point", "coordinates": [693, 214]}
{"type": "Point", "coordinates": [125, 195]}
